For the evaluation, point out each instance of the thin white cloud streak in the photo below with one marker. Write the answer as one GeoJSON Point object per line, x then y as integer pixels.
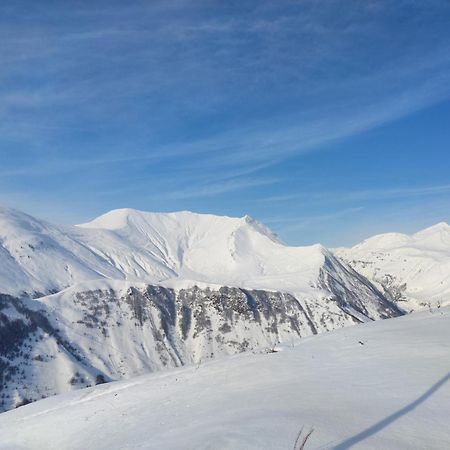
{"type": "Point", "coordinates": [286, 225]}
{"type": "Point", "coordinates": [277, 145]}
{"type": "Point", "coordinates": [215, 189]}
{"type": "Point", "coordinates": [198, 181]}
{"type": "Point", "coordinates": [363, 195]}
{"type": "Point", "coordinates": [68, 165]}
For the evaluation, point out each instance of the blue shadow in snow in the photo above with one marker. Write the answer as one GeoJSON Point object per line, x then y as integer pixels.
{"type": "Point", "coordinates": [392, 418]}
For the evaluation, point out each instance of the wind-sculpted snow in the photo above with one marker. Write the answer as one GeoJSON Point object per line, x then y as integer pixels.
{"type": "Point", "coordinates": [413, 271]}
{"type": "Point", "coordinates": [118, 330]}
{"type": "Point", "coordinates": [40, 258]}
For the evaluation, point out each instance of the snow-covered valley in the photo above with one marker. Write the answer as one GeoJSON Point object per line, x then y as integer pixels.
{"type": "Point", "coordinates": [382, 385]}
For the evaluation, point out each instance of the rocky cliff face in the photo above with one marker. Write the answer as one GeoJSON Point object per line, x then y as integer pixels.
{"type": "Point", "coordinates": [83, 336]}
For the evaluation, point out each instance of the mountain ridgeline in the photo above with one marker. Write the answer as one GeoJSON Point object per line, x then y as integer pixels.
{"type": "Point", "coordinates": [413, 271]}
{"type": "Point", "coordinates": [133, 292]}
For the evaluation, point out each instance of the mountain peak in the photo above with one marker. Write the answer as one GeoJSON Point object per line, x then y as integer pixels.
{"type": "Point", "coordinates": [441, 227]}
{"type": "Point", "coordinates": [128, 244]}
{"type": "Point", "coordinates": [120, 218]}
{"type": "Point", "coordinates": [184, 222]}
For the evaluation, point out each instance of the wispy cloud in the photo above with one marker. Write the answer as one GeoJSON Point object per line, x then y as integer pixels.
{"type": "Point", "coordinates": [213, 189]}
{"type": "Point", "coordinates": [188, 100]}
{"type": "Point", "coordinates": [287, 225]}
{"type": "Point", "coordinates": [191, 60]}
{"type": "Point", "coordinates": [362, 195]}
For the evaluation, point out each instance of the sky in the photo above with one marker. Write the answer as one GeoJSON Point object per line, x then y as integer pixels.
{"type": "Point", "coordinates": [328, 121]}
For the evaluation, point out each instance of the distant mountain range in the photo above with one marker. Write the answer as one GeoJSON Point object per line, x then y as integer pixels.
{"type": "Point", "coordinates": [413, 271]}
{"type": "Point", "coordinates": [133, 292]}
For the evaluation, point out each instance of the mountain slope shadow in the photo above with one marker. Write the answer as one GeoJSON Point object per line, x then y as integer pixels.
{"type": "Point", "coordinates": [348, 443]}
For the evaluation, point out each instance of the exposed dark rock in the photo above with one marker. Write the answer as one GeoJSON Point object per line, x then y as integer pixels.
{"type": "Point", "coordinates": [162, 327]}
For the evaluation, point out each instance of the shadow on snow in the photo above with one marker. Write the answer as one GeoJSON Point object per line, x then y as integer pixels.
{"type": "Point", "coordinates": [392, 418]}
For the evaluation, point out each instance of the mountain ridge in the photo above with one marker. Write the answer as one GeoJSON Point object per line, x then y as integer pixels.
{"type": "Point", "coordinates": [153, 247]}
{"type": "Point", "coordinates": [410, 269]}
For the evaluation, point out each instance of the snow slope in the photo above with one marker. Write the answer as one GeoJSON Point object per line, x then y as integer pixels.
{"type": "Point", "coordinates": [38, 257]}
{"type": "Point", "coordinates": [215, 249]}
{"type": "Point", "coordinates": [413, 270]}
{"type": "Point", "coordinates": [383, 385]}
{"type": "Point", "coordinates": [119, 329]}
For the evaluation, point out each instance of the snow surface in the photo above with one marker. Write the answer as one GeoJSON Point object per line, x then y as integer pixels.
{"type": "Point", "coordinates": [415, 269]}
{"type": "Point", "coordinates": [217, 249]}
{"type": "Point", "coordinates": [383, 385]}
{"type": "Point", "coordinates": [38, 257]}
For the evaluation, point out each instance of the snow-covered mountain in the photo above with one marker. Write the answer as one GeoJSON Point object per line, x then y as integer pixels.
{"type": "Point", "coordinates": [39, 258]}
{"type": "Point", "coordinates": [412, 270]}
{"type": "Point", "coordinates": [136, 292]}
{"type": "Point", "coordinates": [382, 385]}
{"type": "Point", "coordinates": [174, 249]}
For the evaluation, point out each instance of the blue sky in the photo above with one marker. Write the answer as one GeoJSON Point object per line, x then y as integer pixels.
{"type": "Point", "coordinates": [328, 121]}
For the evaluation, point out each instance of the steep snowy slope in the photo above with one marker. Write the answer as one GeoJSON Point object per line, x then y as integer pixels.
{"type": "Point", "coordinates": [412, 270]}
{"type": "Point", "coordinates": [382, 385]}
{"type": "Point", "coordinates": [40, 258]}
{"type": "Point", "coordinates": [219, 250]}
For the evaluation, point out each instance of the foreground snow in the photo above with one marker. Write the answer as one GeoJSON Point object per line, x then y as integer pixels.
{"type": "Point", "coordinates": [383, 385]}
